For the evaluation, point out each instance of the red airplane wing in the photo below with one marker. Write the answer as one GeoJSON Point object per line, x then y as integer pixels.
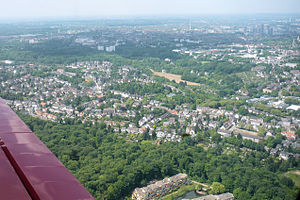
{"type": "Point", "coordinates": [28, 169]}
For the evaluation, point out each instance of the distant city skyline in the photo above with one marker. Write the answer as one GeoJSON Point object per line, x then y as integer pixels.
{"type": "Point", "coordinates": [18, 9]}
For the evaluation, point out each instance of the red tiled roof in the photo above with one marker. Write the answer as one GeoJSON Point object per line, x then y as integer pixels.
{"type": "Point", "coordinates": [289, 134]}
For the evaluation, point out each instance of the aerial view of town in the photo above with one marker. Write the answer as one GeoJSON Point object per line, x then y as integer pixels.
{"type": "Point", "coordinates": [199, 107]}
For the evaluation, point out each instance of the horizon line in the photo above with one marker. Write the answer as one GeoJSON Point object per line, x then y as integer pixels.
{"type": "Point", "coordinates": [130, 16]}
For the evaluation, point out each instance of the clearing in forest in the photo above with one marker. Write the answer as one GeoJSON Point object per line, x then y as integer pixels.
{"type": "Point", "coordinates": [171, 77]}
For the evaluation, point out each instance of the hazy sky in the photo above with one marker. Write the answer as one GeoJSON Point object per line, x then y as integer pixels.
{"type": "Point", "coordinates": [78, 8]}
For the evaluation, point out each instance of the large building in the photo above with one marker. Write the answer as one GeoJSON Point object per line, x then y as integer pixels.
{"type": "Point", "coordinates": [160, 188]}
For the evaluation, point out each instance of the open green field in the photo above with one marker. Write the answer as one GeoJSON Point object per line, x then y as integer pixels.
{"type": "Point", "coordinates": [295, 176]}
{"type": "Point", "coordinates": [182, 190]}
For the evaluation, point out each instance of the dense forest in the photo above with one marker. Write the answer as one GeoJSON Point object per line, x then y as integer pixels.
{"type": "Point", "coordinates": [111, 167]}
